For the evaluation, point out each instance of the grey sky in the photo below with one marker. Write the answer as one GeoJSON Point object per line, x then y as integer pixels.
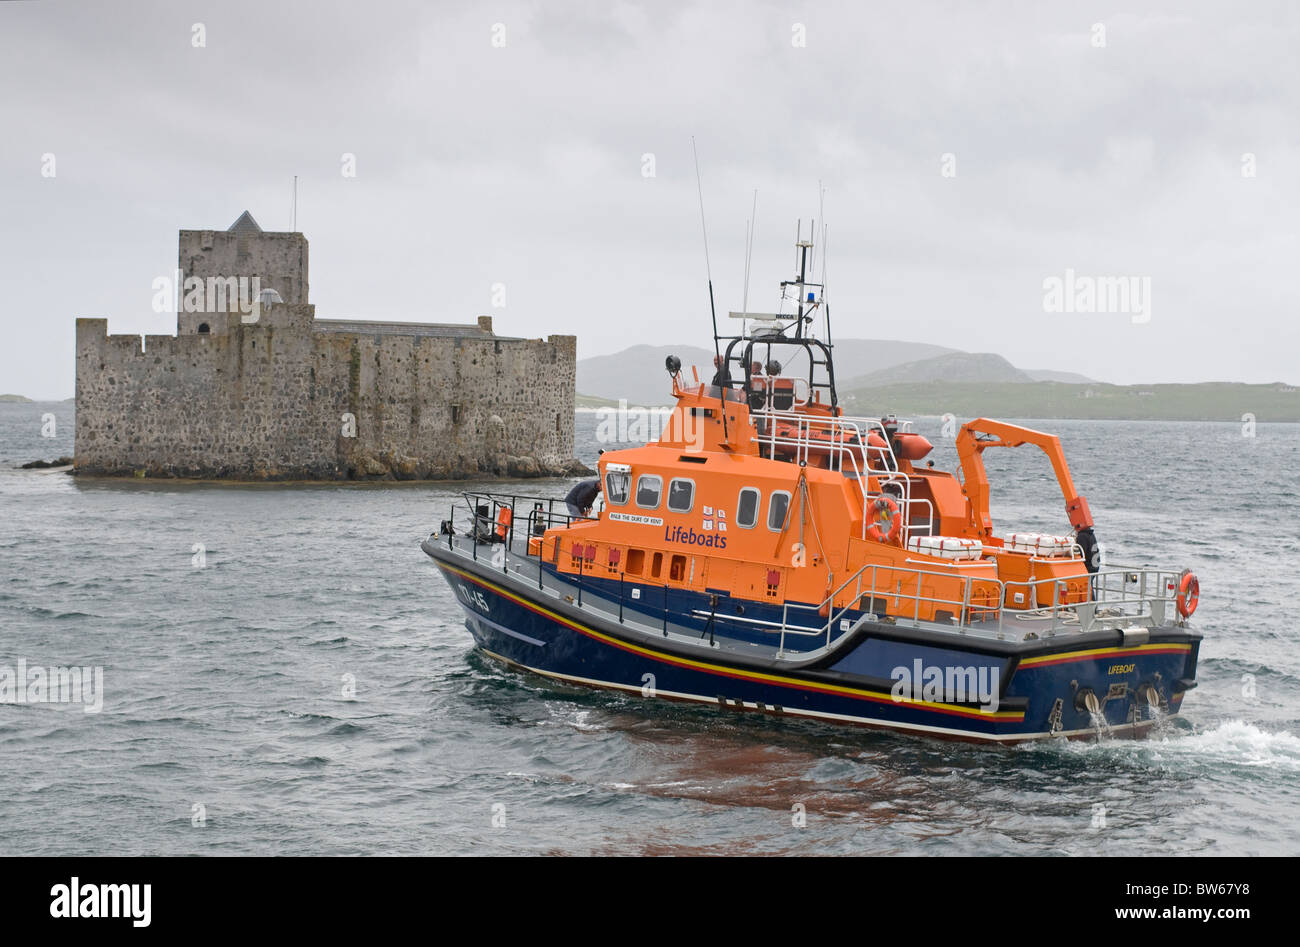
{"type": "Point", "coordinates": [522, 165]}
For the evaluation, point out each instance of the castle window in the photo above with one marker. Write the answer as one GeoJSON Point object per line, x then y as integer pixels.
{"type": "Point", "coordinates": [203, 328]}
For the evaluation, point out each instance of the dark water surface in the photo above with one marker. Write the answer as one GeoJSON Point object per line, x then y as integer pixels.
{"type": "Point", "coordinates": [224, 685]}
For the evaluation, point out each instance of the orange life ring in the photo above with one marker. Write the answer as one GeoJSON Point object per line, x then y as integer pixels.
{"type": "Point", "coordinates": [1189, 593]}
{"type": "Point", "coordinates": [885, 510]}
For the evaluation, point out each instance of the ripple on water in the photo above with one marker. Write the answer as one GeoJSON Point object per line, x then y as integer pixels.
{"type": "Point", "coordinates": [223, 685]}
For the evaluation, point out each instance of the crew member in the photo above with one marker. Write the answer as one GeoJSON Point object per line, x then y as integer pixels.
{"type": "Point", "coordinates": [756, 392]}
{"type": "Point", "coordinates": [721, 377]}
{"type": "Point", "coordinates": [581, 498]}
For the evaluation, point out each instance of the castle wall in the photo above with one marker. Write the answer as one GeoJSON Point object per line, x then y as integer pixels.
{"type": "Point", "coordinates": [267, 401]}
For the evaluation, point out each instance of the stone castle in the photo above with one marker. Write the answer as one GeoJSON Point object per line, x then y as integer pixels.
{"type": "Point", "coordinates": [254, 387]}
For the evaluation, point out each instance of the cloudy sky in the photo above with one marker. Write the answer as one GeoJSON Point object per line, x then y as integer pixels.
{"type": "Point", "coordinates": [1083, 137]}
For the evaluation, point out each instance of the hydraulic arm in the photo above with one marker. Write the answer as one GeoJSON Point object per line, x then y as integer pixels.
{"type": "Point", "coordinates": [975, 436]}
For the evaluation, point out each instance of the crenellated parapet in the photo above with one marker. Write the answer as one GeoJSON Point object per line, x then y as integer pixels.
{"type": "Point", "coordinates": [275, 393]}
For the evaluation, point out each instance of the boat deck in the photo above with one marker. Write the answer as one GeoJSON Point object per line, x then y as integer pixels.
{"type": "Point", "coordinates": [803, 633]}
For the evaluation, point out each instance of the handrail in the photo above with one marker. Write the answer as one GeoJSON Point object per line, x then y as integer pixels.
{"type": "Point", "coordinates": [846, 441]}
{"type": "Point", "coordinates": [1102, 595]}
{"type": "Point", "coordinates": [905, 508]}
{"type": "Point", "coordinates": [496, 501]}
{"type": "Point", "coordinates": [1118, 594]}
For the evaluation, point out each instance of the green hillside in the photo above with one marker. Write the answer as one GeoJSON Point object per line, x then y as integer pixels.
{"type": "Point", "coordinates": [973, 367]}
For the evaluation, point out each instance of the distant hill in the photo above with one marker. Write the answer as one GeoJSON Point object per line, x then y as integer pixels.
{"type": "Point", "coordinates": [952, 367]}
{"type": "Point", "coordinates": [638, 374]}
{"type": "Point", "coordinates": [14, 399]}
{"type": "Point", "coordinates": [1070, 378]}
{"type": "Point", "coordinates": [877, 377]}
{"type": "Point", "coordinates": [857, 357]}
{"type": "Point", "coordinates": [1207, 401]}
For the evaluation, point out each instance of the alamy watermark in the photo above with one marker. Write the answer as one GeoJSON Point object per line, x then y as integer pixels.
{"type": "Point", "coordinates": [179, 293]}
{"type": "Point", "coordinates": [81, 899]}
{"type": "Point", "coordinates": [36, 684]}
{"type": "Point", "coordinates": [1102, 294]}
{"type": "Point", "coordinates": [947, 684]}
{"type": "Point", "coordinates": [644, 425]}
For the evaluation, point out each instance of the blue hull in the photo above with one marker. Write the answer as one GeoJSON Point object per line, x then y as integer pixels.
{"type": "Point", "coordinates": [855, 684]}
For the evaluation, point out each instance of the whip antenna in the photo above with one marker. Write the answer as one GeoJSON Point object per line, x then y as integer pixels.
{"type": "Point", "coordinates": [749, 250]}
{"type": "Point", "coordinates": [717, 353]}
{"type": "Point", "coordinates": [821, 200]}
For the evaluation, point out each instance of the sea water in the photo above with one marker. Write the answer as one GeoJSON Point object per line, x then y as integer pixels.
{"type": "Point", "coordinates": [284, 672]}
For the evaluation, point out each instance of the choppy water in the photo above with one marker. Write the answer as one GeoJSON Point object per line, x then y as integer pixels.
{"type": "Point", "coordinates": [224, 685]}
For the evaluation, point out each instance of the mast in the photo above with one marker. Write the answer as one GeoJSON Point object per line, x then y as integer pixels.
{"type": "Point", "coordinates": [800, 282]}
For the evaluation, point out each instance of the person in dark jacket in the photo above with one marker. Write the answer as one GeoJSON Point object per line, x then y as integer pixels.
{"type": "Point", "coordinates": [722, 376]}
{"type": "Point", "coordinates": [581, 498]}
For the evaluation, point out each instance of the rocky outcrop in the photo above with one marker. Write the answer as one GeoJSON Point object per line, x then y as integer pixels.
{"type": "Point", "coordinates": [44, 464]}
{"type": "Point", "coordinates": [360, 466]}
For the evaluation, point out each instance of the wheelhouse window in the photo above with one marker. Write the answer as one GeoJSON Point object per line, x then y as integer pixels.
{"type": "Point", "coordinates": [747, 508]}
{"type": "Point", "coordinates": [649, 488]}
{"type": "Point", "coordinates": [681, 495]}
{"type": "Point", "coordinates": [618, 480]}
{"type": "Point", "coordinates": [777, 507]}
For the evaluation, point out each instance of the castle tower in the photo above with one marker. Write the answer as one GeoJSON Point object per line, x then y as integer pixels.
{"type": "Point", "coordinates": [244, 251]}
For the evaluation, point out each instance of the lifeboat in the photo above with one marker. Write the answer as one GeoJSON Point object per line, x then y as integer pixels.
{"type": "Point", "coordinates": [771, 554]}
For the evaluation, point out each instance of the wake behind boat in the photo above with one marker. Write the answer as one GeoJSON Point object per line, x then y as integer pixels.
{"type": "Point", "coordinates": [770, 553]}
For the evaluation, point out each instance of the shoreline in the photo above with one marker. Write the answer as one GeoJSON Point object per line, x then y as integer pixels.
{"type": "Point", "coordinates": [912, 416]}
{"type": "Point", "coordinates": [92, 478]}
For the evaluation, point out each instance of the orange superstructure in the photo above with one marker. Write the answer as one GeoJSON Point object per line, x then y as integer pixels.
{"type": "Point", "coordinates": [782, 518]}
{"type": "Point", "coordinates": [763, 489]}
